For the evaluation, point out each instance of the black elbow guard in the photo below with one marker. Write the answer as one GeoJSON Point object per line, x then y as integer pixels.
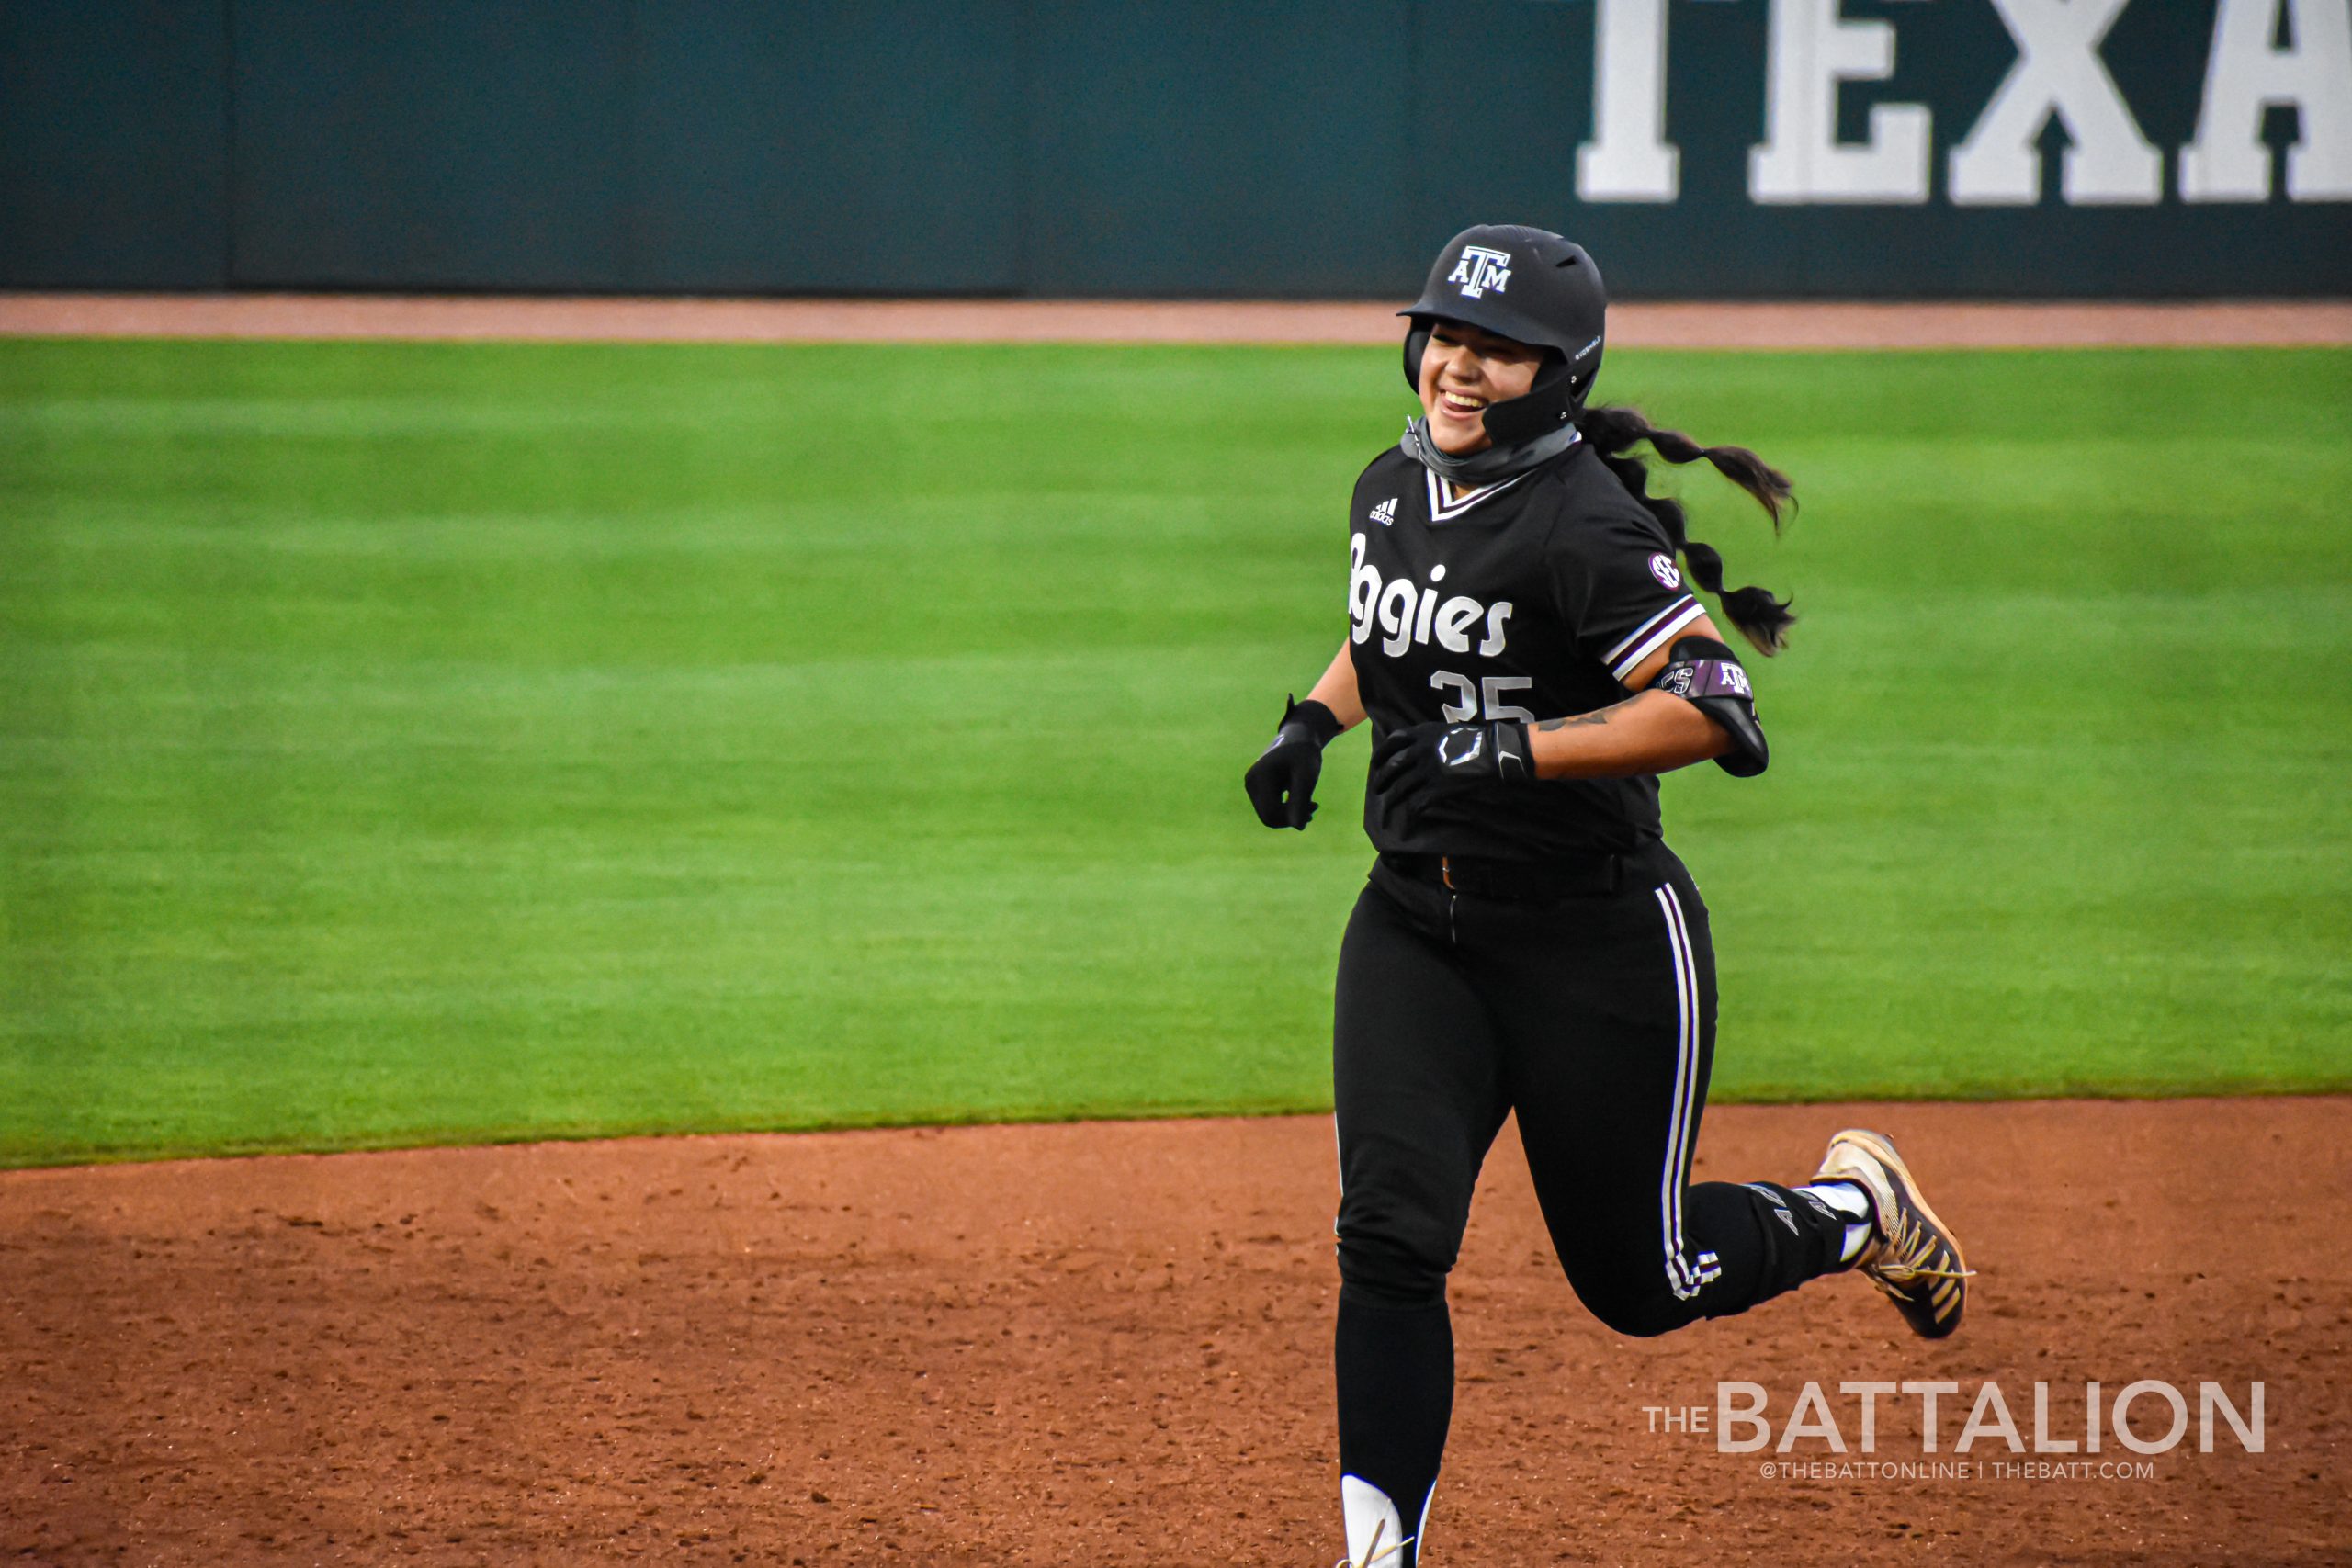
{"type": "Point", "coordinates": [1705, 673]}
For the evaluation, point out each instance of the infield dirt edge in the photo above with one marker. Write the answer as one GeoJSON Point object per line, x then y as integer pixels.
{"type": "Point", "coordinates": [1776, 326]}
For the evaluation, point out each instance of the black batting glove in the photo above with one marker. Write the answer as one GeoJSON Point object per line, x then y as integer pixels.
{"type": "Point", "coordinates": [1282, 780]}
{"type": "Point", "coordinates": [1408, 764]}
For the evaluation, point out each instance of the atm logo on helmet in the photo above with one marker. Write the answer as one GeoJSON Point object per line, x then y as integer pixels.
{"type": "Point", "coordinates": [1479, 270]}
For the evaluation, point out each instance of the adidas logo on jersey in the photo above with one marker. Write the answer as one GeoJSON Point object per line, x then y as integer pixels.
{"type": "Point", "coordinates": [1385, 513]}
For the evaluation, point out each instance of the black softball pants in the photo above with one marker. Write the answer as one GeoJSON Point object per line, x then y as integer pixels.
{"type": "Point", "coordinates": [1592, 1017]}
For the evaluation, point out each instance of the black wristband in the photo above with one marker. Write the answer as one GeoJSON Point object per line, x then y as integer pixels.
{"type": "Point", "coordinates": [1322, 726]}
{"type": "Point", "coordinates": [1514, 752]}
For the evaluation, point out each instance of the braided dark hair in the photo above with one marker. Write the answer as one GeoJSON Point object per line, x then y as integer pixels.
{"type": "Point", "coordinates": [1613, 431]}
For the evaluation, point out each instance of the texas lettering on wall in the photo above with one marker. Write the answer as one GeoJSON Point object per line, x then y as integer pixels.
{"type": "Point", "coordinates": [2260, 56]}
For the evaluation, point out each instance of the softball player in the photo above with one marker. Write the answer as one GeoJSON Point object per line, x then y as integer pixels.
{"type": "Point", "coordinates": [1522, 639]}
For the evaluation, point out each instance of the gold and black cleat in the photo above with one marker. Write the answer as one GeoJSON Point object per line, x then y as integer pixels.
{"type": "Point", "coordinates": [1912, 1255]}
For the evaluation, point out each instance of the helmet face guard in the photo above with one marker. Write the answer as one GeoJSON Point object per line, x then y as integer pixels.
{"type": "Point", "coordinates": [1531, 285]}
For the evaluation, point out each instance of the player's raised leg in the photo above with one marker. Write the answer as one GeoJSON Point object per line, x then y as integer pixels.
{"type": "Point", "coordinates": [1609, 1074]}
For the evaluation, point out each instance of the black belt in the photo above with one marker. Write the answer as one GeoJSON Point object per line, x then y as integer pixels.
{"type": "Point", "coordinates": [1529, 882]}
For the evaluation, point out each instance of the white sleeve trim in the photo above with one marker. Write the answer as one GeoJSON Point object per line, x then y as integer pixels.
{"type": "Point", "coordinates": [1652, 632]}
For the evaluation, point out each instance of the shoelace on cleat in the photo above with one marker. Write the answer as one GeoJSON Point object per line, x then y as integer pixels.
{"type": "Point", "coordinates": [1903, 1255]}
{"type": "Point", "coordinates": [1372, 1552]}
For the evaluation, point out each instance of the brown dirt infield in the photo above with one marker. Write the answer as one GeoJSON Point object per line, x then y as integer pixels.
{"type": "Point", "coordinates": [1640, 324]}
{"type": "Point", "coordinates": [1106, 1344]}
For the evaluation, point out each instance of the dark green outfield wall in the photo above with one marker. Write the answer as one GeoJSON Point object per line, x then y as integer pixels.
{"type": "Point", "coordinates": [1159, 147]}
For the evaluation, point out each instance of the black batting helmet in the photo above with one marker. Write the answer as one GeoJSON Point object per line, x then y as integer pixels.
{"type": "Point", "coordinates": [1529, 285]}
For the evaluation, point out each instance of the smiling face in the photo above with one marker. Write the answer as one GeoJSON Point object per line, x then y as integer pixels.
{"type": "Point", "coordinates": [1464, 370]}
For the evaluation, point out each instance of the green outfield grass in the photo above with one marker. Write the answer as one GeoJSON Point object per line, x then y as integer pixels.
{"type": "Point", "coordinates": [419, 743]}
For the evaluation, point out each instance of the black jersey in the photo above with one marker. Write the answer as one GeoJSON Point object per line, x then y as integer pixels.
{"type": "Point", "coordinates": [1530, 599]}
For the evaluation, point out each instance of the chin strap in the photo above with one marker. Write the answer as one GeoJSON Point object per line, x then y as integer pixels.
{"type": "Point", "coordinates": [1488, 467]}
